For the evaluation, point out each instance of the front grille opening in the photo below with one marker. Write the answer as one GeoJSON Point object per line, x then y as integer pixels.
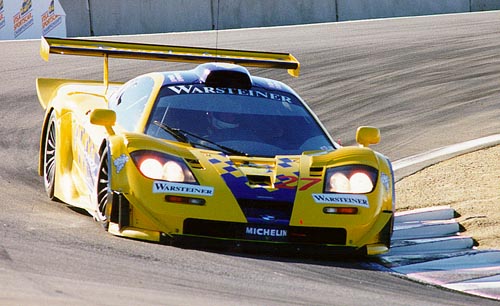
{"type": "Point", "coordinates": [239, 231]}
{"type": "Point", "coordinates": [260, 209]}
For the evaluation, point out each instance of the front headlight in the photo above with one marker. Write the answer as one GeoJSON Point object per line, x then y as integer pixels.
{"type": "Point", "coordinates": [351, 179]}
{"type": "Point", "coordinates": [161, 166]}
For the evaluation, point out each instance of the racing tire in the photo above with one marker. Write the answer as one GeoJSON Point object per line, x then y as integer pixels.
{"type": "Point", "coordinates": [386, 233]}
{"type": "Point", "coordinates": [103, 192]}
{"type": "Point", "coordinates": [49, 157]}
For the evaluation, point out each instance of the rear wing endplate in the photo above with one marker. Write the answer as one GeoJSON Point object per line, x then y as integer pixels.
{"type": "Point", "coordinates": [107, 49]}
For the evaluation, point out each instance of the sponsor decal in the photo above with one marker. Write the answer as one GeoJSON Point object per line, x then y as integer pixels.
{"type": "Point", "coordinates": [50, 20]}
{"type": "Point", "coordinates": [24, 18]}
{"type": "Point", "coordinates": [120, 163]}
{"type": "Point", "coordinates": [86, 155]}
{"type": "Point", "coordinates": [385, 181]}
{"type": "Point", "coordinates": [291, 182]}
{"type": "Point", "coordinates": [175, 78]}
{"type": "Point", "coordinates": [265, 232]}
{"type": "Point", "coordinates": [193, 89]}
{"type": "Point", "coordinates": [168, 187]}
{"type": "Point", "coordinates": [2, 15]}
{"type": "Point", "coordinates": [347, 199]}
{"type": "Point", "coordinates": [268, 217]}
{"type": "Point", "coordinates": [273, 84]}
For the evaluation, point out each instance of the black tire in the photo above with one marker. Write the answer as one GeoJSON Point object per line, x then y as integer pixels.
{"type": "Point", "coordinates": [386, 233]}
{"type": "Point", "coordinates": [49, 157]}
{"type": "Point", "coordinates": [103, 192]}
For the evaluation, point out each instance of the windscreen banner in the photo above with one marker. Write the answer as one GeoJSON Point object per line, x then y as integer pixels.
{"type": "Point", "coordinates": [26, 19]}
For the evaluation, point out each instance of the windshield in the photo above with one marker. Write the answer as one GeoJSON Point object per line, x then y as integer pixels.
{"type": "Point", "coordinates": [255, 121]}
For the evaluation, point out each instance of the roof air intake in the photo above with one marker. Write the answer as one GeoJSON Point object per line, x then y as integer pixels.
{"type": "Point", "coordinates": [225, 75]}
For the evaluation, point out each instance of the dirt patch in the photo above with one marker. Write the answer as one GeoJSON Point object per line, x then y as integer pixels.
{"type": "Point", "coordinates": [469, 183]}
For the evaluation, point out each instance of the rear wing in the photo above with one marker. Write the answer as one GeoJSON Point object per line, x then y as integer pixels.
{"type": "Point", "coordinates": [107, 49]}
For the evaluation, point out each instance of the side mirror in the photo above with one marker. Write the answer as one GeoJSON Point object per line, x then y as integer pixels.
{"type": "Point", "coordinates": [367, 135]}
{"type": "Point", "coordinates": [104, 117]}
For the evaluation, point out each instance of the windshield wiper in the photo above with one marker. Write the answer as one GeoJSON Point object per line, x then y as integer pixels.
{"type": "Point", "coordinates": [178, 135]}
{"type": "Point", "coordinates": [181, 135]}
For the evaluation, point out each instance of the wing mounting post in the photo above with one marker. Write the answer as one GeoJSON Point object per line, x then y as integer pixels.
{"type": "Point", "coordinates": [56, 45]}
{"type": "Point", "coordinates": [106, 73]}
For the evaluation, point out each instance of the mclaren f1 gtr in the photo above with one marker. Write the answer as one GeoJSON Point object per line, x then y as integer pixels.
{"type": "Point", "coordinates": [209, 154]}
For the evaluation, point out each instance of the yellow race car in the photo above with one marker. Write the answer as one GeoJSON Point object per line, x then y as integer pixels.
{"type": "Point", "coordinates": [209, 155]}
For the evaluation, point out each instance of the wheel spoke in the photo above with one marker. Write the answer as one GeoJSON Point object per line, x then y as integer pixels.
{"type": "Point", "coordinates": [103, 190]}
{"type": "Point", "coordinates": [49, 159]}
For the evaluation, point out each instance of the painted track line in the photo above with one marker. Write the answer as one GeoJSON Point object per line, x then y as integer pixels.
{"type": "Point", "coordinates": [443, 152]}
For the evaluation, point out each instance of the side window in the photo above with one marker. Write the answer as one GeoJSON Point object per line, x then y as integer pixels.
{"type": "Point", "coordinates": [132, 101]}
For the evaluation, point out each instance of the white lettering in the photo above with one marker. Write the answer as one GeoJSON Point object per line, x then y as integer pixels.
{"type": "Point", "coordinates": [180, 89]}
{"type": "Point", "coordinates": [261, 94]}
{"type": "Point", "coordinates": [192, 89]}
{"type": "Point", "coordinates": [242, 92]}
{"type": "Point", "coordinates": [167, 187]}
{"type": "Point", "coordinates": [347, 199]}
{"type": "Point", "coordinates": [197, 90]}
{"type": "Point", "coordinates": [274, 97]}
{"type": "Point", "coordinates": [270, 232]}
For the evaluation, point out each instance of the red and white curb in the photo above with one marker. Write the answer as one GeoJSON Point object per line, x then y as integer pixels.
{"type": "Point", "coordinates": [428, 231]}
{"type": "Point", "coordinates": [476, 273]}
{"type": "Point", "coordinates": [428, 245]}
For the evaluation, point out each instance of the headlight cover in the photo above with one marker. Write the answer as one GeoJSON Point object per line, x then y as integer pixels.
{"type": "Point", "coordinates": [351, 179]}
{"type": "Point", "coordinates": [161, 166]}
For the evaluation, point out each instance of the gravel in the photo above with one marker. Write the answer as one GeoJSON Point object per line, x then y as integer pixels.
{"type": "Point", "coordinates": [469, 183]}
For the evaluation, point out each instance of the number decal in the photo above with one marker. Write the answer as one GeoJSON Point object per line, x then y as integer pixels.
{"type": "Point", "coordinates": [312, 181]}
{"type": "Point", "coordinates": [287, 182]}
{"type": "Point", "coordinates": [290, 182]}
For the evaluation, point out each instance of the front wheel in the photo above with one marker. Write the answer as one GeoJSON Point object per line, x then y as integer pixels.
{"type": "Point", "coordinates": [386, 233]}
{"type": "Point", "coordinates": [103, 191]}
{"type": "Point", "coordinates": [49, 157]}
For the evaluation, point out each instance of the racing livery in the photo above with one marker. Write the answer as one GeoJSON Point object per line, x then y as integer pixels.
{"type": "Point", "coordinates": [209, 155]}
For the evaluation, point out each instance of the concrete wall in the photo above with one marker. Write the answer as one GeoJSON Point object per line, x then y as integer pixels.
{"type": "Point", "coordinates": [259, 13]}
{"type": "Point", "coordinates": [77, 17]}
{"type": "Point", "coordinates": [484, 5]}
{"type": "Point", "coordinates": [370, 9]}
{"type": "Point", "coordinates": [111, 17]}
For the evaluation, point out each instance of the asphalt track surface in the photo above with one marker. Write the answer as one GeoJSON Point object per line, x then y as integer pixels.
{"type": "Point", "coordinates": [425, 82]}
